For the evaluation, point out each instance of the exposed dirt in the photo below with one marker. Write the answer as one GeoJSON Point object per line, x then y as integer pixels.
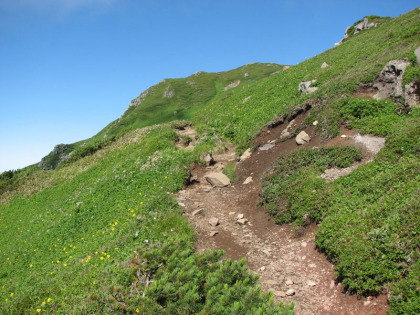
{"type": "Point", "coordinates": [366, 91]}
{"type": "Point", "coordinates": [285, 263]}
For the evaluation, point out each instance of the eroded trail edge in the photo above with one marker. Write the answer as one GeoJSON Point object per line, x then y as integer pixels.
{"type": "Point", "coordinates": [228, 218]}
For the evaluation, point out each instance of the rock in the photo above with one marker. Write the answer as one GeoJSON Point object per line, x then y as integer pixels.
{"type": "Point", "coordinates": [231, 213]}
{"type": "Point", "coordinates": [241, 221]}
{"type": "Point", "coordinates": [280, 293]}
{"type": "Point", "coordinates": [366, 303]}
{"type": "Point", "coordinates": [412, 94]}
{"type": "Point", "coordinates": [55, 158]}
{"type": "Point", "coordinates": [311, 283]}
{"type": "Point", "coordinates": [343, 136]}
{"type": "Point", "coordinates": [246, 99]}
{"type": "Point", "coordinates": [262, 268]}
{"type": "Point", "coordinates": [213, 233]}
{"type": "Point", "coordinates": [208, 158]}
{"type": "Point", "coordinates": [198, 212]}
{"type": "Point", "coordinates": [214, 221]}
{"type": "Point", "coordinates": [290, 292]}
{"type": "Point", "coordinates": [194, 179]}
{"type": "Point", "coordinates": [266, 147]}
{"type": "Point", "coordinates": [168, 92]}
{"type": "Point", "coordinates": [240, 216]}
{"type": "Point", "coordinates": [302, 138]}
{"type": "Point", "coordinates": [417, 53]}
{"type": "Point", "coordinates": [389, 81]}
{"type": "Point", "coordinates": [217, 179]}
{"type": "Point", "coordinates": [316, 122]}
{"type": "Point", "coordinates": [305, 87]}
{"type": "Point", "coordinates": [245, 155]}
{"type": "Point", "coordinates": [247, 180]}
{"type": "Point", "coordinates": [232, 85]}
{"type": "Point", "coordinates": [364, 25]}
{"type": "Point", "coordinates": [332, 284]}
{"type": "Point", "coordinates": [303, 244]}
{"type": "Point", "coordinates": [289, 282]}
{"type": "Point", "coordinates": [324, 65]}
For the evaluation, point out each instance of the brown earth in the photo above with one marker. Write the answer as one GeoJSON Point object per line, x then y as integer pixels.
{"type": "Point", "coordinates": [282, 260]}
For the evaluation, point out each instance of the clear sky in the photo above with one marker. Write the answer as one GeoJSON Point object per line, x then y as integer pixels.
{"type": "Point", "coordinates": [70, 67]}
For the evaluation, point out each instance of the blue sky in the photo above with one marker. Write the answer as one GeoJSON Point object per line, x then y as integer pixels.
{"type": "Point", "coordinates": [70, 67]}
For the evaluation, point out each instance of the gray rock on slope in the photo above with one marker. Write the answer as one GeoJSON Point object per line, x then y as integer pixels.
{"type": "Point", "coordinates": [305, 87]}
{"type": "Point", "coordinates": [389, 81]}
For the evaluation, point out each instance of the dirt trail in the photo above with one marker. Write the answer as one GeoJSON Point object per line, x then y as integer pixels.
{"type": "Point", "coordinates": [290, 267]}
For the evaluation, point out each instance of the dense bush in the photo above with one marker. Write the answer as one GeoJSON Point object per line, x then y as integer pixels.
{"type": "Point", "coordinates": [291, 188]}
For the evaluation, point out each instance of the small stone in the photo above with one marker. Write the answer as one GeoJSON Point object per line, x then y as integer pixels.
{"type": "Point", "coordinates": [332, 284]}
{"type": "Point", "coordinates": [80, 203]}
{"type": "Point", "coordinates": [214, 221]}
{"type": "Point", "coordinates": [311, 283]}
{"type": "Point", "coordinates": [181, 204]}
{"type": "Point", "coordinates": [241, 221]}
{"type": "Point", "coordinates": [262, 268]}
{"type": "Point", "coordinates": [198, 212]}
{"type": "Point", "coordinates": [367, 303]}
{"type": "Point", "coordinates": [303, 244]}
{"type": "Point", "coordinates": [266, 147]}
{"type": "Point", "coordinates": [343, 136]}
{"type": "Point", "coordinates": [316, 122]}
{"type": "Point", "coordinates": [245, 155]}
{"type": "Point", "coordinates": [247, 180]}
{"type": "Point", "coordinates": [290, 292]}
{"type": "Point", "coordinates": [370, 298]}
{"type": "Point", "coordinates": [213, 233]}
{"type": "Point", "coordinates": [324, 65]}
{"type": "Point", "coordinates": [289, 282]}
{"type": "Point", "coordinates": [232, 213]}
{"type": "Point", "coordinates": [280, 293]}
{"type": "Point", "coordinates": [240, 216]}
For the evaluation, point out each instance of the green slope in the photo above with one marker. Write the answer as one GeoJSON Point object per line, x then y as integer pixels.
{"type": "Point", "coordinates": [90, 234]}
{"type": "Point", "coordinates": [180, 99]}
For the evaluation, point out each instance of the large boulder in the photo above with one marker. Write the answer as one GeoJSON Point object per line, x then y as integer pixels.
{"type": "Point", "coordinates": [389, 81]}
{"type": "Point", "coordinates": [305, 87]}
{"type": "Point", "coordinates": [217, 179]}
{"type": "Point", "coordinates": [302, 138]}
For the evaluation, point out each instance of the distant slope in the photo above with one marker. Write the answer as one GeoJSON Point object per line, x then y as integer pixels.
{"type": "Point", "coordinates": [180, 99]}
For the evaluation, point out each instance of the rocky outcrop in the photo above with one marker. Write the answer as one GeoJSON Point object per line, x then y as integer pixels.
{"type": "Point", "coordinates": [305, 87]}
{"type": "Point", "coordinates": [168, 92]}
{"type": "Point", "coordinates": [364, 25]}
{"type": "Point", "coordinates": [412, 94]}
{"type": "Point", "coordinates": [56, 157]}
{"type": "Point", "coordinates": [389, 81]}
{"type": "Point", "coordinates": [232, 85]}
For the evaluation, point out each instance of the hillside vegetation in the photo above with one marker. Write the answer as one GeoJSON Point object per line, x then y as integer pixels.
{"type": "Point", "coordinates": [102, 232]}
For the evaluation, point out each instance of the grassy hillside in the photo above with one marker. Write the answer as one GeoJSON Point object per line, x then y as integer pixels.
{"type": "Point", "coordinates": [102, 233]}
